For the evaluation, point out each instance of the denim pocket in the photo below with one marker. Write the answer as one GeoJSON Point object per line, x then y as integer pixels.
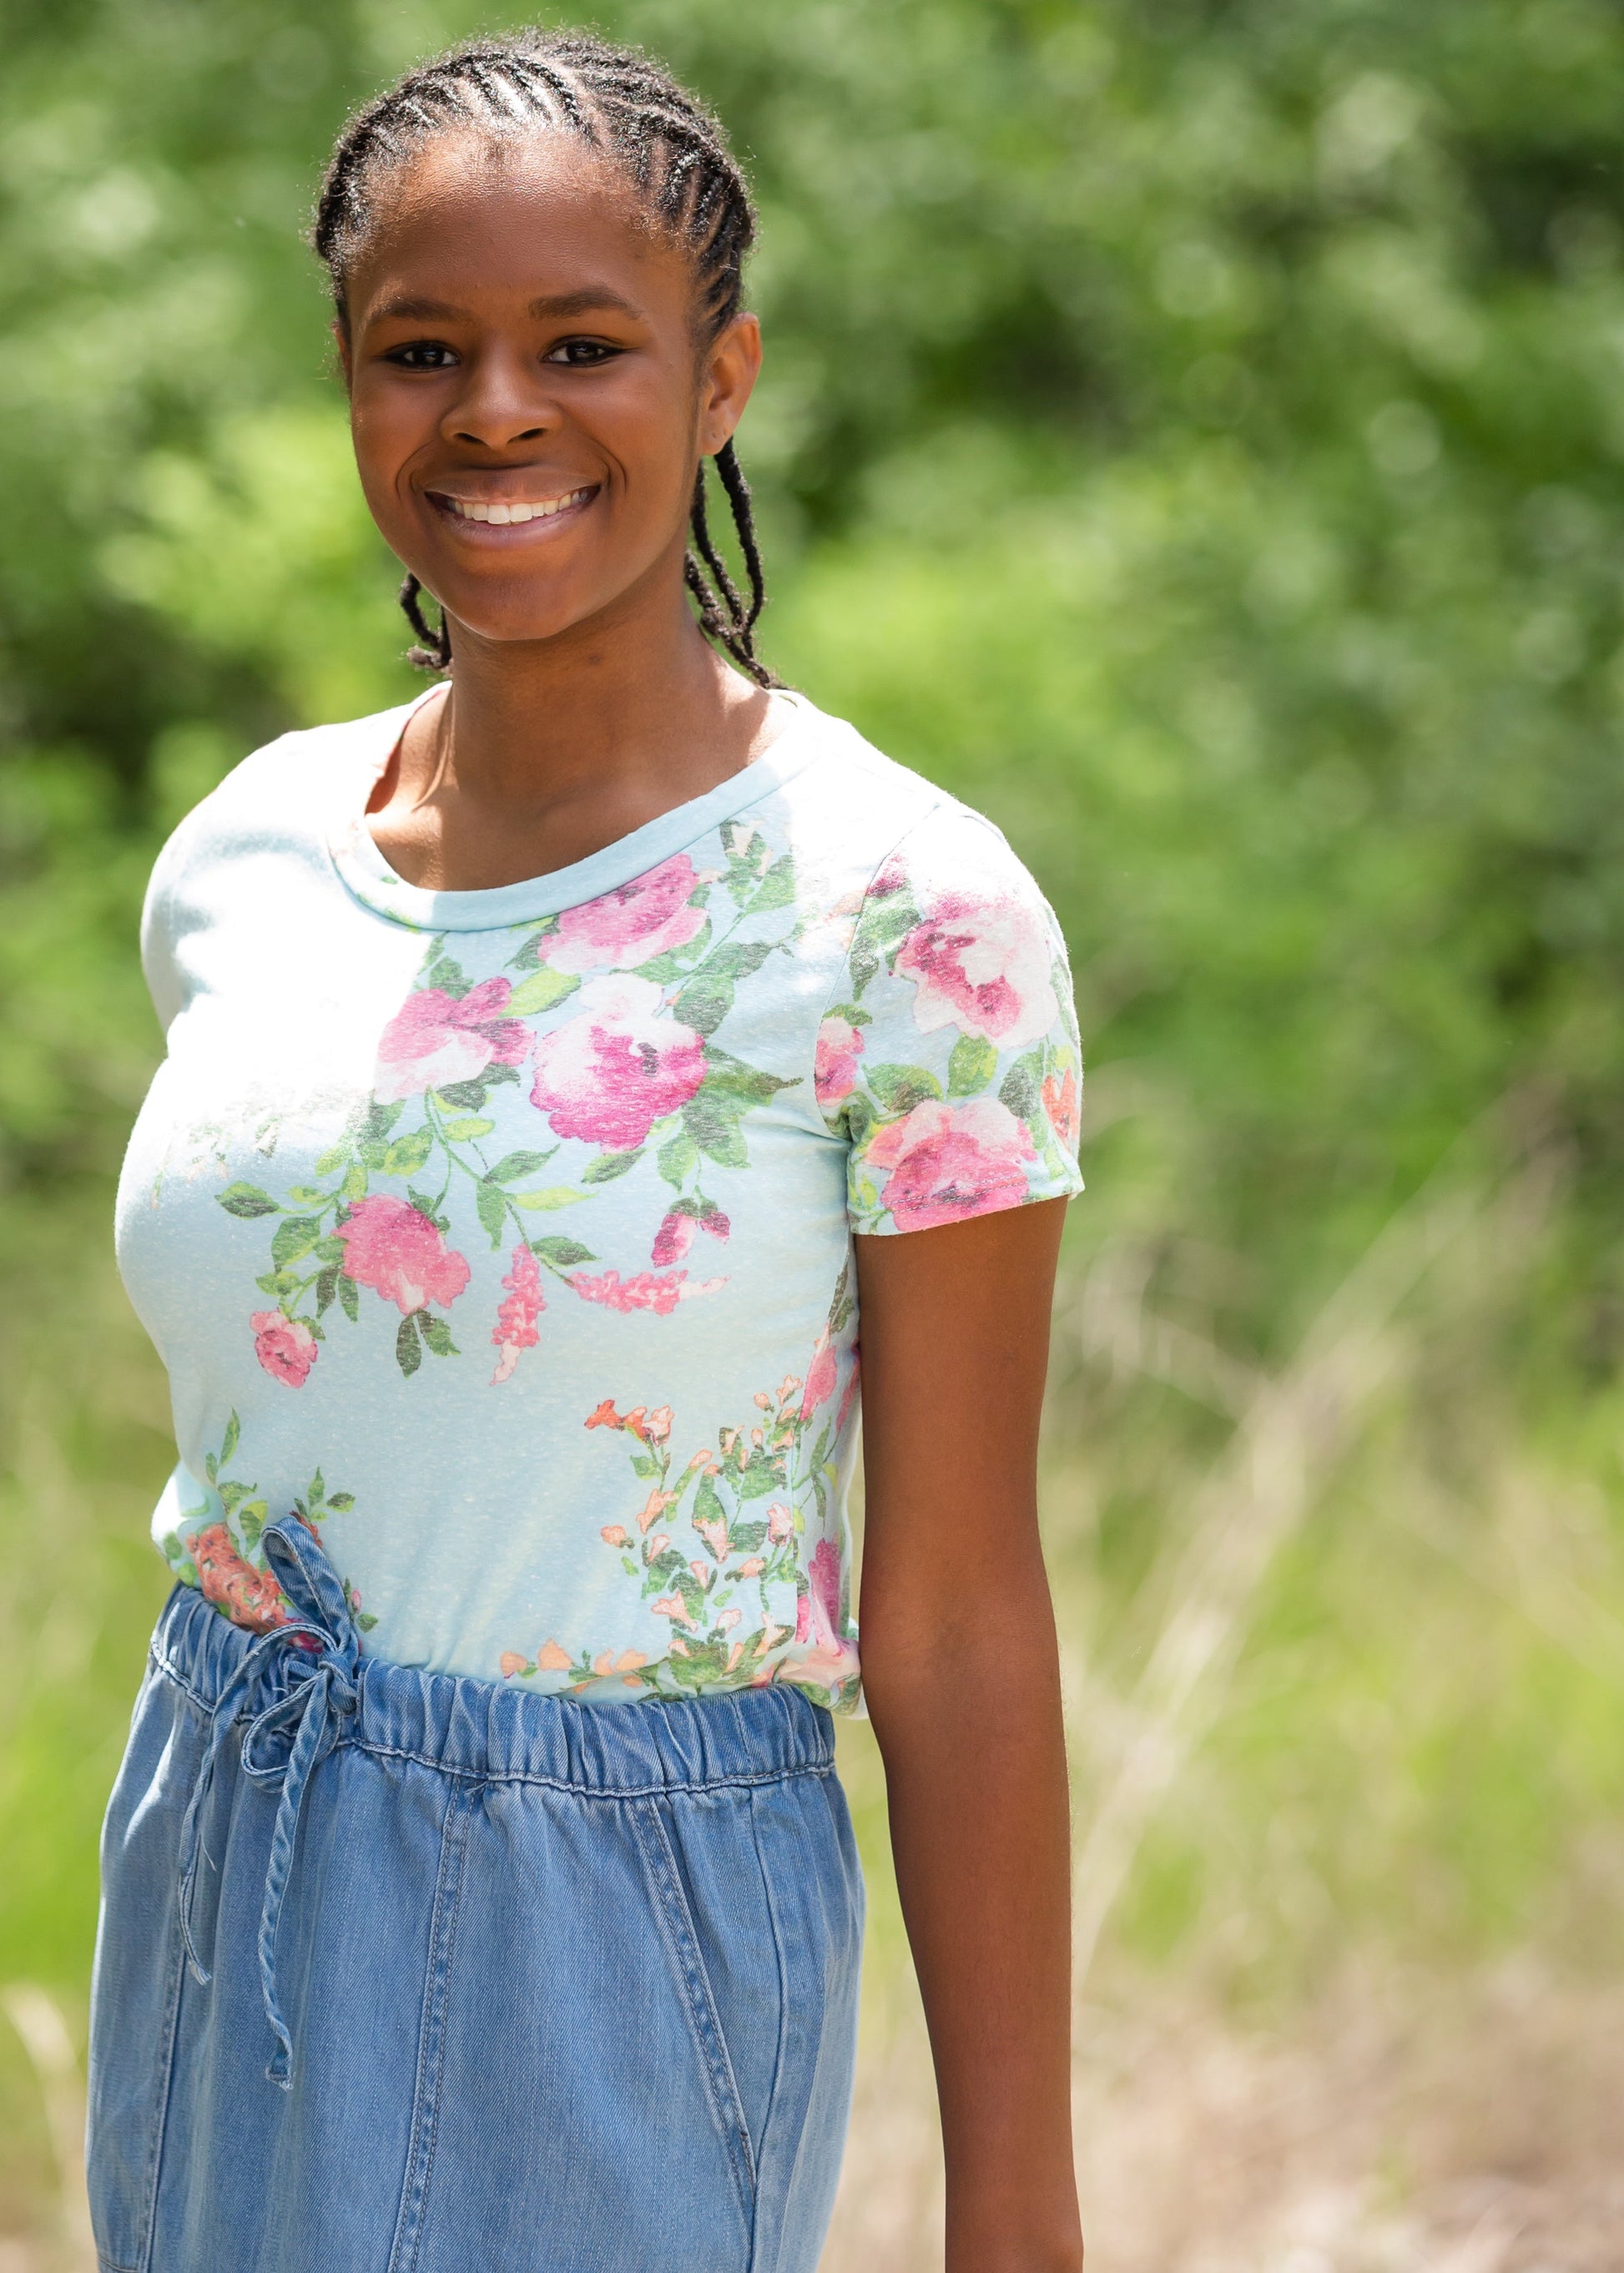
{"type": "Point", "coordinates": [670, 1833]}
{"type": "Point", "coordinates": [136, 1977]}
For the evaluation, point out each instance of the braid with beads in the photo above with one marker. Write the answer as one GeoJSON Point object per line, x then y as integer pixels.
{"type": "Point", "coordinates": [674, 152]}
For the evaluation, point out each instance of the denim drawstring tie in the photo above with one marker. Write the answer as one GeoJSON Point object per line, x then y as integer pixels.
{"type": "Point", "coordinates": [319, 1653]}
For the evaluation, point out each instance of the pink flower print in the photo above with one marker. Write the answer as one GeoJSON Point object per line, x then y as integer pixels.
{"type": "Point", "coordinates": [654, 1507]}
{"type": "Point", "coordinates": [516, 1318]}
{"type": "Point", "coordinates": [610, 1072]}
{"type": "Point", "coordinates": [656, 1547]}
{"type": "Point", "coordinates": [1060, 1102]}
{"type": "Point", "coordinates": [821, 1377]}
{"type": "Point", "coordinates": [751, 1569]}
{"type": "Point", "coordinates": [834, 1072]}
{"type": "Point", "coordinates": [780, 1522]}
{"type": "Point", "coordinates": [628, 1661]}
{"type": "Point", "coordinates": [850, 1391]}
{"type": "Point", "coordinates": [390, 1246]}
{"type": "Point", "coordinates": [658, 1427]}
{"type": "Point", "coordinates": [285, 1347]}
{"type": "Point", "coordinates": [830, 1657]}
{"type": "Point", "coordinates": [727, 1621]}
{"type": "Point", "coordinates": [631, 924]}
{"type": "Point", "coordinates": [716, 1223]}
{"type": "Point", "coordinates": [249, 1598]}
{"type": "Point", "coordinates": [678, 1648]}
{"type": "Point", "coordinates": [949, 1161]}
{"type": "Point", "coordinates": [550, 1658]}
{"type": "Point", "coordinates": [604, 1416]}
{"type": "Point", "coordinates": [715, 1536]}
{"type": "Point", "coordinates": [671, 1607]}
{"type": "Point", "coordinates": [818, 1611]}
{"type": "Point", "coordinates": [983, 966]}
{"type": "Point", "coordinates": [646, 1290]}
{"type": "Point", "coordinates": [614, 1535]}
{"type": "Point", "coordinates": [672, 1240]}
{"type": "Point", "coordinates": [512, 1662]}
{"type": "Point", "coordinates": [435, 1038]}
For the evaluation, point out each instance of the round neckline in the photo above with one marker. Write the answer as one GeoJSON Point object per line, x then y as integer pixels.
{"type": "Point", "coordinates": [368, 877]}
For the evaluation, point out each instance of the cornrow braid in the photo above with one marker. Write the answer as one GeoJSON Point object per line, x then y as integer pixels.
{"type": "Point", "coordinates": [674, 152]}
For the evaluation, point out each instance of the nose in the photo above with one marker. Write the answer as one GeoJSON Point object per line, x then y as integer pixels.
{"type": "Point", "coordinates": [503, 402]}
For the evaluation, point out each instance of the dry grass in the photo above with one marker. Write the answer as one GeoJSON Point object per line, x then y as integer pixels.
{"type": "Point", "coordinates": [1400, 2127]}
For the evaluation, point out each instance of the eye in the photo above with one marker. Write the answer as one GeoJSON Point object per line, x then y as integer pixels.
{"type": "Point", "coordinates": [423, 355]}
{"type": "Point", "coordinates": [580, 353]}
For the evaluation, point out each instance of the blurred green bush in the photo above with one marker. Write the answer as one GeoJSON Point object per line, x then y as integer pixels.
{"type": "Point", "coordinates": [1194, 431]}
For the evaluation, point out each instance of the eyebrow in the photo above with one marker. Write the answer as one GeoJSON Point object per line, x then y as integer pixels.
{"type": "Point", "coordinates": [591, 298]}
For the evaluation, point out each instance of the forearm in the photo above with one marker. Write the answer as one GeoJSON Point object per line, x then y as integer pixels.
{"type": "Point", "coordinates": [966, 1704]}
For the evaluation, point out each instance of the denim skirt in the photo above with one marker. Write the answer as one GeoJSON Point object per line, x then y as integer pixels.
{"type": "Point", "coordinates": [399, 1972]}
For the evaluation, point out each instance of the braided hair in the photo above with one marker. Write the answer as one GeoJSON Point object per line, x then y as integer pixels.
{"type": "Point", "coordinates": [674, 153]}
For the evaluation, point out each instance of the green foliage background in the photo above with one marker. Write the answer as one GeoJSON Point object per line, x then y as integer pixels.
{"type": "Point", "coordinates": [1193, 429]}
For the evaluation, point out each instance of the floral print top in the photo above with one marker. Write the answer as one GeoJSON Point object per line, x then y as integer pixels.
{"type": "Point", "coordinates": [505, 1236]}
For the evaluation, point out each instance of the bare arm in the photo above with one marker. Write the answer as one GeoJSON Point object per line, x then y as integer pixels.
{"type": "Point", "coordinates": [962, 1679]}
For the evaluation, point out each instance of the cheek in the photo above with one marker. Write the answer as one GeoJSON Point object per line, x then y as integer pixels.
{"type": "Point", "coordinates": [385, 434]}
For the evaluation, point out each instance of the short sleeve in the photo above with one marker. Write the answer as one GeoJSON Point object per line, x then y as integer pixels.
{"type": "Point", "coordinates": [158, 931]}
{"type": "Point", "coordinates": [949, 1058]}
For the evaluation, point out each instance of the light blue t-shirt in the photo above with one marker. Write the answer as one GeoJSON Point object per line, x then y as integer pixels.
{"type": "Point", "coordinates": [505, 1235]}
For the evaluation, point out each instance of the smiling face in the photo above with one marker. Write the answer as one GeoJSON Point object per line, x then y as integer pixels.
{"type": "Point", "coordinates": [529, 397]}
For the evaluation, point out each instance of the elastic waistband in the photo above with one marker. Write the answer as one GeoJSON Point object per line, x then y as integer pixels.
{"type": "Point", "coordinates": [494, 1732]}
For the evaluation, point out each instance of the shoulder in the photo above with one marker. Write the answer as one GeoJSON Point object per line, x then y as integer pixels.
{"type": "Point", "coordinates": [283, 791]}
{"type": "Point", "coordinates": [869, 821]}
{"type": "Point", "coordinates": [261, 828]}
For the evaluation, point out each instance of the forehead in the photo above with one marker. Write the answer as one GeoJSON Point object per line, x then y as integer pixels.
{"type": "Point", "coordinates": [515, 218]}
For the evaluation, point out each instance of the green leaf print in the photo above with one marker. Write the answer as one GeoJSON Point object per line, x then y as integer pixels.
{"type": "Point", "coordinates": [608, 1166]}
{"type": "Point", "coordinates": [408, 1153]}
{"type": "Point", "coordinates": [971, 1067]}
{"type": "Point", "coordinates": [709, 995]}
{"type": "Point", "coordinates": [294, 1236]}
{"type": "Point", "coordinates": [349, 1299]}
{"type": "Point", "coordinates": [512, 1166]}
{"type": "Point", "coordinates": [562, 1254]}
{"type": "Point", "coordinates": [777, 886]}
{"type": "Point", "coordinates": [553, 1195]}
{"type": "Point", "coordinates": [465, 1130]}
{"type": "Point", "coordinates": [541, 990]}
{"type": "Point", "coordinates": [1018, 1089]}
{"type": "Point", "coordinates": [247, 1200]}
{"type": "Point", "coordinates": [731, 1076]}
{"type": "Point", "coordinates": [715, 1129]}
{"type": "Point", "coordinates": [408, 1350]}
{"type": "Point", "coordinates": [493, 1212]}
{"type": "Point", "coordinates": [436, 1333]}
{"type": "Point", "coordinates": [232, 1439]}
{"type": "Point", "coordinates": [327, 1289]}
{"type": "Point", "coordinates": [899, 1088]}
{"type": "Point", "coordinates": [448, 976]}
{"type": "Point", "coordinates": [678, 1160]}
{"type": "Point", "coordinates": [341, 1502]}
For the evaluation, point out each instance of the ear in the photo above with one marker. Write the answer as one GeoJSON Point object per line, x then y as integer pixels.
{"type": "Point", "coordinates": [727, 377]}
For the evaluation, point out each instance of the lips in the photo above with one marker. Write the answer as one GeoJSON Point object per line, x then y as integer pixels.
{"type": "Point", "coordinates": [510, 512]}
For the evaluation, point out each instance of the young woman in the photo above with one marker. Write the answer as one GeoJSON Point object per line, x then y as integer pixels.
{"type": "Point", "coordinates": [558, 1068]}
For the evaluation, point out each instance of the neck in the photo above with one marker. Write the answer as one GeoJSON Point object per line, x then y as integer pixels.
{"type": "Point", "coordinates": [544, 751]}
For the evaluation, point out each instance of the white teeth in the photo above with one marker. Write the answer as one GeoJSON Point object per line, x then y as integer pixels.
{"type": "Point", "coordinates": [501, 516]}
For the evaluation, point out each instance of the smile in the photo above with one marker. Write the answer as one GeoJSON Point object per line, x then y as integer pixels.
{"type": "Point", "coordinates": [509, 512]}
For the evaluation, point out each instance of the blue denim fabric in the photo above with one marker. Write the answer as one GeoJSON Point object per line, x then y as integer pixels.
{"type": "Point", "coordinates": [491, 1982]}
